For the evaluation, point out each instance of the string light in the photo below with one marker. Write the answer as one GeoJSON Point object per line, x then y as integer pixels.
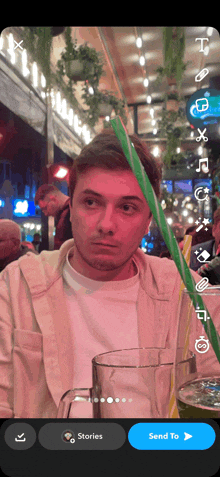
{"type": "Point", "coordinates": [35, 74]}
{"type": "Point", "coordinates": [209, 31]}
{"type": "Point", "coordinates": [156, 151]}
{"type": "Point", "coordinates": [142, 60]}
{"type": "Point", "coordinates": [139, 42]}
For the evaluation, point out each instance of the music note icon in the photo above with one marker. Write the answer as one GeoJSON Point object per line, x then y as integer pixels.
{"type": "Point", "coordinates": [203, 165]}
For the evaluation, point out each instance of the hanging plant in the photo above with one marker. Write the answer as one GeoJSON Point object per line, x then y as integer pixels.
{"type": "Point", "coordinates": [80, 63]}
{"type": "Point", "coordinates": [172, 127]}
{"type": "Point", "coordinates": [99, 101]}
{"type": "Point", "coordinates": [173, 54]}
{"type": "Point", "coordinates": [38, 41]}
{"type": "Point", "coordinates": [171, 124]}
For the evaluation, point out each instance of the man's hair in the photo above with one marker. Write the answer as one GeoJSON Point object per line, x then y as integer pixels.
{"type": "Point", "coordinates": [216, 216]}
{"type": "Point", "coordinates": [105, 152]}
{"type": "Point", "coordinates": [44, 190]}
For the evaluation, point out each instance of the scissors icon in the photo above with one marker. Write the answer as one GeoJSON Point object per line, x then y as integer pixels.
{"type": "Point", "coordinates": [201, 135]}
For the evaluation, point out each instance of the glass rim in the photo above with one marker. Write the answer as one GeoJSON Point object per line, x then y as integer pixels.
{"type": "Point", "coordinates": [141, 366]}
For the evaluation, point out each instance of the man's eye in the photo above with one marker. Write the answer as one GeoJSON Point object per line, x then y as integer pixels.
{"type": "Point", "coordinates": [124, 205]}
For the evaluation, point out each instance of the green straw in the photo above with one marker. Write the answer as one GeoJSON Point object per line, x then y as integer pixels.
{"type": "Point", "coordinates": [165, 229]}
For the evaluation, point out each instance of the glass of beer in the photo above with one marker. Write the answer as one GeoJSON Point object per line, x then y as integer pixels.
{"type": "Point", "coordinates": [197, 381]}
{"type": "Point", "coordinates": [127, 383]}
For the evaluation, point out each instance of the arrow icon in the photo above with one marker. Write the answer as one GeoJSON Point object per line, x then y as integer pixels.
{"type": "Point", "coordinates": [187, 436]}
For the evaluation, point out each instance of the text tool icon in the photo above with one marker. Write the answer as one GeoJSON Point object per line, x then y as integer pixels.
{"type": "Point", "coordinates": [201, 135]}
{"type": "Point", "coordinates": [202, 74]}
{"type": "Point", "coordinates": [203, 165]}
{"type": "Point", "coordinates": [202, 104]}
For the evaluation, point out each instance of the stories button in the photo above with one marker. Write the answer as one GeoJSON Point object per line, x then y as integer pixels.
{"type": "Point", "coordinates": [82, 436]}
{"type": "Point", "coordinates": [171, 436]}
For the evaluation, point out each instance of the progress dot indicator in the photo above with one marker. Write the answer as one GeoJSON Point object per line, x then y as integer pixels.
{"type": "Point", "coordinates": [102, 399]}
{"type": "Point", "coordinates": [109, 399]}
{"type": "Point", "coordinates": [117, 400]}
{"type": "Point", "coordinates": [123, 399]}
{"type": "Point", "coordinates": [96, 399]}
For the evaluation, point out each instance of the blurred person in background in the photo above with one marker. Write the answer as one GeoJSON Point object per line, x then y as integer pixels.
{"type": "Point", "coordinates": [189, 231]}
{"type": "Point", "coordinates": [179, 232]}
{"type": "Point", "coordinates": [202, 235]}
{"type": "Point", "coordinates": [210, 245]}
{"type": "Point", "coordinates": [10, 243]}
{"type": "Point", "coordinates": [37, 244]}
{"type": "Point", "coordinates": [56, 204]}
{"type": "Point", "coordinates": [28, 244]}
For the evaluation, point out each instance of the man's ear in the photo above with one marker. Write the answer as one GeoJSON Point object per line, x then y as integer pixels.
{"type": "Point", "coordinates": [149, 223]}
{"type": "Point", "coordinates": [213, 230]}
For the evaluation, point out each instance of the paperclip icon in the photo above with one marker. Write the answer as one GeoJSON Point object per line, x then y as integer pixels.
{"type": "Point", "coordinates": [202, 74]}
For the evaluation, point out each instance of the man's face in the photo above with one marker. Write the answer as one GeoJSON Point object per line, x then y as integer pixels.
{"type": "Point", "coordinates": [8, 246]}
{"type": "Point", "coordinates": [108, 218]}
{"type": "Point", "coordinates": [49, 206]}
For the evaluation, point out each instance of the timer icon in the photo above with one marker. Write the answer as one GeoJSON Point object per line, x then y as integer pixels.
{"type": "Point", "coordinates": [202, 345]}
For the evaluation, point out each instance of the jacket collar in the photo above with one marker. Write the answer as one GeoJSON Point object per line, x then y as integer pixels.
{"type": "Point", "coordinates": [155, 277]}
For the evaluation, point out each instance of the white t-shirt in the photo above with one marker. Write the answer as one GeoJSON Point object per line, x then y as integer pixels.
{"type": "Point", "coordinates": [103, 317]}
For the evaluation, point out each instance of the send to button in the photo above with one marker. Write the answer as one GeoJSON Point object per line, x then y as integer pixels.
{"type": "Point", "coordinates": [171, 436]}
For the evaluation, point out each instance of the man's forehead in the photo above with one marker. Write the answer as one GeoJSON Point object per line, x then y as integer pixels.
{"type": "Point", "coordinates": [119, 183]}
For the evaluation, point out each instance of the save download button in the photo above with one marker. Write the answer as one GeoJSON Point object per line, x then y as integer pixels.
{"type": "Point", "coordinates": [171, 436]}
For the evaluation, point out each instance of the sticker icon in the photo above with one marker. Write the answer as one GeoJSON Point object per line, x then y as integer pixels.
{"type": "Point", "coordinates": [202, 345]}
{"type": "Point", "coordinates": [202, 104]}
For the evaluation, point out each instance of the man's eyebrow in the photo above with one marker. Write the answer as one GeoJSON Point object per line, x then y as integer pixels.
{"type": "Point", "coordinates": [124, 197]}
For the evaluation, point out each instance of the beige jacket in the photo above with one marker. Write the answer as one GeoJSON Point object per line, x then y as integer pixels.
{"type": "Point", "coordinates": [35, 334]}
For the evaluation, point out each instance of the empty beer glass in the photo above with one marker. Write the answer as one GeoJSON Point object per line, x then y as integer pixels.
{"type": "Point", "coordinates": [127, 383]}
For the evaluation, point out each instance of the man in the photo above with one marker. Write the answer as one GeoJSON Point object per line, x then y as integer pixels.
{"type": "Point", "coordinates": [210, 246]}
{"type": "Point", "coordinates": [53, 202]}
{"type": "Point", "coordinates": [10, 243]}
{"type": "Point", "coordinates": [37, 244]}
{"type": "Point", "coordinates": [98, 293]}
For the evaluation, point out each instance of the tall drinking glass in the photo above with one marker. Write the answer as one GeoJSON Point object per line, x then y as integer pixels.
{"type": "Point", "coordinates": [127, 383]}
{"type": "Point", "coordinates": [197, 388]}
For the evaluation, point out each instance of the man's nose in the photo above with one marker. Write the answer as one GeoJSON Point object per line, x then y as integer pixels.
{"type": "Point", "coordinates": [106, 221]}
